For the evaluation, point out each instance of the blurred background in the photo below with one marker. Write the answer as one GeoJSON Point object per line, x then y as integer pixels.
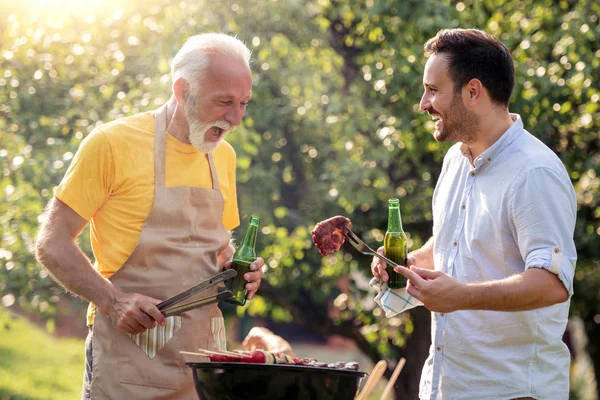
{"type": "Point", "coordinates": [333, 128]}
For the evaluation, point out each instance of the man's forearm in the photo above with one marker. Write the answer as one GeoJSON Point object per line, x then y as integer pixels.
{"type": "Point", "coordinates": [534, 288]}
{"type": "Point", "coordinates": [69, 266]}
{"type": "Point", "coordinates": [424, 255]}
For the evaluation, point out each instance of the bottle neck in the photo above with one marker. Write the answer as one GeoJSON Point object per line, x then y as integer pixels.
{"type": "Point", "coordinates": [394, 220]}
{"type": "Point", "coordinates": [250, 236]}
{"type": "Point", "coordinates": [247, 247]}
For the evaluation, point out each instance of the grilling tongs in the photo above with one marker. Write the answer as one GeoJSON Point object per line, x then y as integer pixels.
{"type": "Point", "coordinates": [170, 307]}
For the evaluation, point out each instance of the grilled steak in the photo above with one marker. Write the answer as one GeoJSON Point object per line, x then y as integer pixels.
{"type": "Point", "coordinates": [329, 235]}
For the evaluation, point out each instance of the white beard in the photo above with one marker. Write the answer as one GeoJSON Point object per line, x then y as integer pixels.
{"type": "Point", "coordinates": [199, 130]}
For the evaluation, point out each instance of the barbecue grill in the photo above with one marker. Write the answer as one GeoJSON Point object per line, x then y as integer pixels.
{"type": "Point", "coordinates": [249, 381]}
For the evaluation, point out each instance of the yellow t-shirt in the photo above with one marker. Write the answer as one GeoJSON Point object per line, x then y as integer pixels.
{"type": "Point", "coordinates": [110, 183]}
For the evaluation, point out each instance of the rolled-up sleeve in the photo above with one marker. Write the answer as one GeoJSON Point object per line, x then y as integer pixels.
{"type": "Point", "coordinates": [544, 209]}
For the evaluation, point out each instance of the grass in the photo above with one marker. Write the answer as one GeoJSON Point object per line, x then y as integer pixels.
{"type": "Point", "coordinates": [35, 365]}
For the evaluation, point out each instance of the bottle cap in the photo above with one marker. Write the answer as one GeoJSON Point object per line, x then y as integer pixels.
{"type": "Point", "coordinates": [394, 201]}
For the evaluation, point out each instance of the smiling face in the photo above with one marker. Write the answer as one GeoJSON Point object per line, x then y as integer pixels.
{"type": "Point", "coordinates": [454, 123]}
{"type": "Point", "coordinates": [219, 103]}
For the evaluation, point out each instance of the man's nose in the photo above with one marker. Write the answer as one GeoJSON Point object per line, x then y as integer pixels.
{"type": "Point", "coordinates": [424, 104]}
{"type": "Point", "coordinates": [235, 114]}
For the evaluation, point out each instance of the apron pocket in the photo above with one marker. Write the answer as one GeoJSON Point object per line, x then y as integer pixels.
{"type": "Point", "coordinates": [166, 370]}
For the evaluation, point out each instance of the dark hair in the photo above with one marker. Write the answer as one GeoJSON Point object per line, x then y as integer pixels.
{"type": "Point", "coordinates": [474, 54]}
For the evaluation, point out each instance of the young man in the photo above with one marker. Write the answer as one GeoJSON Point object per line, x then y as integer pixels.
{"type": "Point", "coordinates": [497, 273]}
{"type": "Point", "coordinates": [159, 191]}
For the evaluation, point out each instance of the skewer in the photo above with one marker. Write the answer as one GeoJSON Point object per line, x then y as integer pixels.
{"type": "Point", "coordinates": [208, 353]}
{"type": "Point", "coordinates": [235, 354]}
{"type": "Point", "coordinates": [201, 352]}
{"type": "Point", "coordinates": [225, 353]}
{"type": "Point", "coordinates": [192, 353]}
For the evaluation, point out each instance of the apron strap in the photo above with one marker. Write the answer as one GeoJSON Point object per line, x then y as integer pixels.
{"type": "Point", "coordinates": [213, 172]}
{"type": "Point", "coordinates": [160, 139]}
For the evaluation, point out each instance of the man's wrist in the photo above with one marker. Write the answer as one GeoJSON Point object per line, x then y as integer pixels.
{"type": "Point", "coordinates": [106, 302]}
{"type": "Point", "coordinates": [468, 297]}
{"type": "Point", "coordinates": [422, 258]}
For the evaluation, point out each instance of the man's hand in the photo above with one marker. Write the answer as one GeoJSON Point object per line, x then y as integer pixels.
{"type": "Point", "coordinates": [378, 267]}
{"type": "Point", "coordinates": [253, 277]}
{"type": "Point", "coordinates": [134, 313]}
{"type": "Point", "coordinates": [437, 291]}
{"type": "Point", "coordinates": [225, 256]}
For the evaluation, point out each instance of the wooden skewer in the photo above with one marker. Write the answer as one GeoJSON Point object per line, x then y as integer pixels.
{"type": "Point", "coordinates": [390, 385]}
{"type": "Point", "coordinates": [208, 353]}
{"type": "Point", "coordinates": [225, 353]}
{"type": "Point", "coordinates": [203, 353]}
{"type": "Point", "coordinates": [193, 354]}
{"type": "Point", "coordinates": [235, 354]}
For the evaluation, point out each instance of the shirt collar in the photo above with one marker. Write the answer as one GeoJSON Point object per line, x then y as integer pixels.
{"type": "Point", "coordinates": [501, 144]}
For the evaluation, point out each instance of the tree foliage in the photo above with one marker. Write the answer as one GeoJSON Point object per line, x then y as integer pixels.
{"type": "Point", "coordinates": [333, 128]}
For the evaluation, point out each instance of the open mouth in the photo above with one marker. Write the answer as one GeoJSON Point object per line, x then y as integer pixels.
{"type": "Point", "coordinates": [216, 133]}
{"type": "Point", "coordinates": [437, 119]}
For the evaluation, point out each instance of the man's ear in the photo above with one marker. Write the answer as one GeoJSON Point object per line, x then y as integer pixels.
{"type": "Point", "coordinates": [475, 91]}
{"type": "Point", "coordinates": [180, 90]}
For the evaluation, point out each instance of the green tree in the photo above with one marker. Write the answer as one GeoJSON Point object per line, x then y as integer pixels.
{"type": "Point", "coordinates": [333, 128]}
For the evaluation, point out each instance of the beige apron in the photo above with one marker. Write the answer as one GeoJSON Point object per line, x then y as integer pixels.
{"type": "Point", "coordinates": [177, 249]}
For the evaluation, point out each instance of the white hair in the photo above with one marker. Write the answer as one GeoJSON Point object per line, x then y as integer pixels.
{"type": "Point", "coordinates": [191, 60]}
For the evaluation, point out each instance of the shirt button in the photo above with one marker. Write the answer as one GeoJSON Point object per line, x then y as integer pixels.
{"type": "Point", "coordinates": [473, 173]}
{"type": "Point", "coordinates": [439, 348]}
{"type": "Point", "coordinates": [463, 206]}
{"type": "Point", "coordinates": [489, 159]}
{"type": "Point", "coordinates": [455, 244]}
{"type": "Point", "coordinates": [442, 315]}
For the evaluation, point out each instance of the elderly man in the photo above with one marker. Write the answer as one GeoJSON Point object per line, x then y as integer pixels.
{"type": "Point", "coordinates": [159, 191]}
{"type": "Point", "coordinates": [497, 273]}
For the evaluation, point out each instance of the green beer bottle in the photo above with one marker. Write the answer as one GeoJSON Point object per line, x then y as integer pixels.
{"type": "Point", "coordinates": [243, 257]}
{"type": "Point", "coordinates": [394, 244]}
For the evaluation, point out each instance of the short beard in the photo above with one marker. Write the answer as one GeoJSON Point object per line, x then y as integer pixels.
{"type": "Point", "coordinates": [459, 125]}
{"type": "Point", "coordinates": [199, 129]}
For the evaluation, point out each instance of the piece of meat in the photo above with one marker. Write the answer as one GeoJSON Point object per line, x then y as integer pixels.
{"type": "Point", "coordinates": [329, 235]}
{"type": "Point", "coordinates": [304, 361]}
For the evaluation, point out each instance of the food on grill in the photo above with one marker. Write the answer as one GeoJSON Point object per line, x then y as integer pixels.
{"type": "Point", "coordinates": [329, 235]}
{"type": "Point", "coordinates": [254, 357]}
{"type": "Point", "coordinates": [267, 357]}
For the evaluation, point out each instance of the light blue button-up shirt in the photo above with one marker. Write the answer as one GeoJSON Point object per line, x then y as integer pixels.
{"type": "Point", "coordinates": [510, 209]}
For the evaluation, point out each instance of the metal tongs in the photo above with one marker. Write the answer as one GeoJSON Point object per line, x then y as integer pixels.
{"type": "Point", "coordinates": [170, 307]}
{"type": "Point", "coordinates": [365, 249]}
